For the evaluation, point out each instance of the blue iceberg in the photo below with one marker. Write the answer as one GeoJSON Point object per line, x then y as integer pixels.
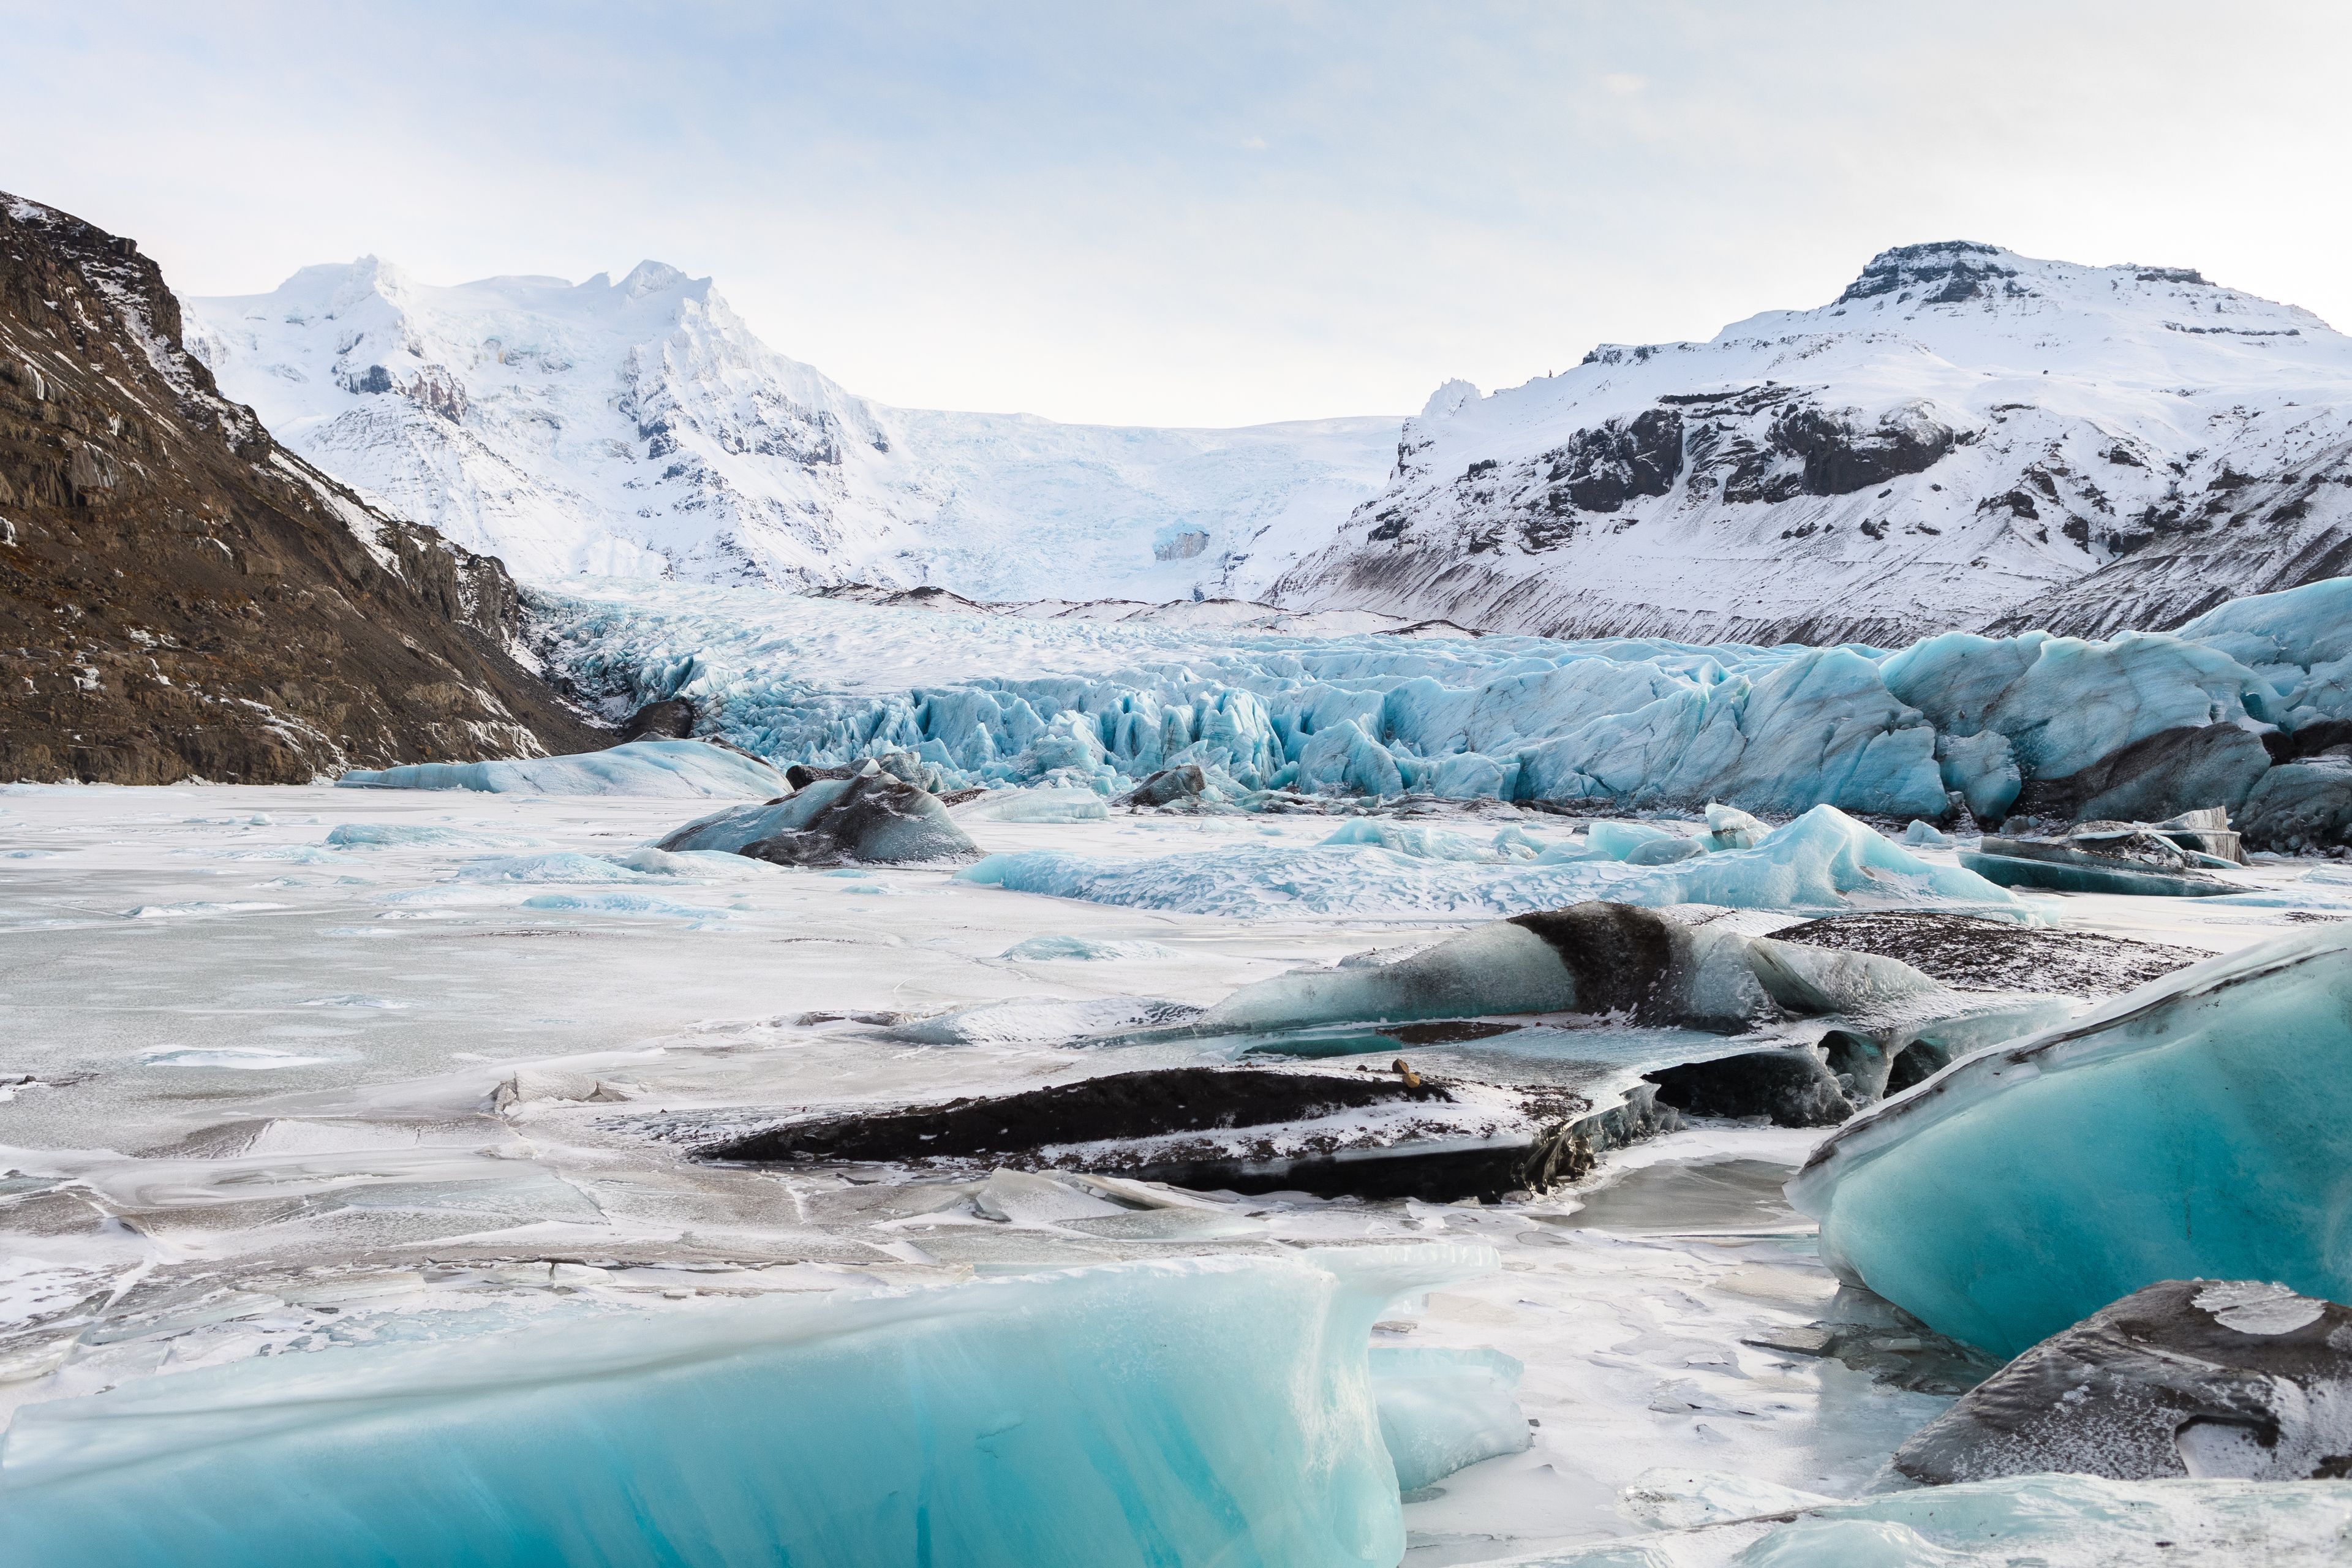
{"type": "Point", "coordinates": [1193, 1410]}
{"type": "Point", "coordinates": [2197, 1127]}
{"type": "Point", "coordinates": [676, 769]}
{"type": "Point", "coordinates": [1823, 862]}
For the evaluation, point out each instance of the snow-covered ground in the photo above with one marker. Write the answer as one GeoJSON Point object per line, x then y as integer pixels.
{"type": "Point", "coordinates": [294, 1072]}
{"type": "Point", "coordinates": [639, 428]}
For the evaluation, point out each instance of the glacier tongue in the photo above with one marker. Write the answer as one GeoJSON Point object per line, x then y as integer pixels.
{"type": "Point", "coordinates": [2050, 722]}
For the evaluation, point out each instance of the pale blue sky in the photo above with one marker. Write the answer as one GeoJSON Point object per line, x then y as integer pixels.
{"type": "Point", "coordinates": [1201, 213]}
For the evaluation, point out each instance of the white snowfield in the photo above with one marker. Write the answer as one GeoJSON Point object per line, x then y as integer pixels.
{"type": "Point", "coordinates": [1965, 437]}
{"type": "Point", "coordinates": [638, 428]}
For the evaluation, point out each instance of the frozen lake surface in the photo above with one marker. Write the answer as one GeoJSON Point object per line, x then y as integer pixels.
{"type": "Point", "coordinates": [313, 1072]}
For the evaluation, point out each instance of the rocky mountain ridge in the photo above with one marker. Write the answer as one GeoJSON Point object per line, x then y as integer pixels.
{"type": "Point", "coordinates": [182, 596]}
{"type": "Point", "coordinates": [1965, 438]}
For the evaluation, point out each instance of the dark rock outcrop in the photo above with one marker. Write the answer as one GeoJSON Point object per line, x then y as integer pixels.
{"type": "Point", "coordinates": [1791, 1086]}
{"type": "Point", "coordinates": [1235, 1129]}
{"type": "Point", "coordinates": [2190, 1377]}
{"type": "Point", "coordinates": [181, 596]}
{"type": "Point", "coordinates": [869, 818]}
{"type": "Point", "coordinates": [2154, 777]}
{"type": "Point", "coordinates": [1972, 953]}
{"type": "Point", "coordinates": [672, 719]}
{"type": "Point", "coordinates": [2300, 806]}
{"type": "Point", "coordinates": [1184, 782]}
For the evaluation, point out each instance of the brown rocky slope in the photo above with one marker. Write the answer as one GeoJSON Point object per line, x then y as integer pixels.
{"type": "Point", "coordinates": [181, 597]}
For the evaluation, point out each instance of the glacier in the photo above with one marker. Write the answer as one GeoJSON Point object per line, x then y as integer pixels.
{"type": "Point", "coordinates": [2191, 1128]}
{"type": "Point", "coordinates": [1989, 723]}
{"type": "Point", "coordinates": [1192, 1411]}
{"type": "Point", "coordinates": [684, 769]}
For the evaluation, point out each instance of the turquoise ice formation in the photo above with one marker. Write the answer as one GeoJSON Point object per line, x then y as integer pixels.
{"type": "Point", "coordinates": [1204, 1410]}
{"type": "Point", "coordinates": [685, 768]}
{"type": "Point", "coordinates": [1442, 1410]}
{"type": "Point", "coordinates": [2196, 1128]}
{"type": "Point", "coordinates": [1823, 862]}
{"type": "Point", "coordinates": [1621, 723]}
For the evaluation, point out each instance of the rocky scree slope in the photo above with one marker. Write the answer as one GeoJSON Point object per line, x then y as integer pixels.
{"type": "Point", "coordinates": [1966, 438]}
{"type": "Point", "coordinates": [639, 428]}
{"type": "Point", "coordinates": [181, 596]}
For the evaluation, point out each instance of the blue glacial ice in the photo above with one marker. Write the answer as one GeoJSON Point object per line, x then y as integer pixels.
{"type": "Point", "coordinates": [1823, 862]}
{"type": "Point", "coordinates": [677, 769]}
{"type": "Point", "coordinates": [2193, 1128]}
{"type": "Point", "coordinates": [1443, 1410]}
{"type": "Point", "coordinates": [1204, 1410]}
{"type": "Point", "coordinates": [1621, 723]}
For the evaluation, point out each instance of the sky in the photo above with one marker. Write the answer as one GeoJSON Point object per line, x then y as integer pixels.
{"type": "Point", "coordinates": [1201, 213]}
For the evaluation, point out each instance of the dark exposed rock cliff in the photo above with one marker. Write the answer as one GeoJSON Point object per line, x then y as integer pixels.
{"type": "Point", "coordinates": [181, 596]}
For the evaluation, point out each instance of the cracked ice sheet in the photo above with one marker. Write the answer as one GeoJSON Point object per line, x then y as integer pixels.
{"type": "Point", "coordinates": [163, 1191]}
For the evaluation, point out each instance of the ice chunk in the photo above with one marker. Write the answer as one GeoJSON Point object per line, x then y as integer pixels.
{"type": "Point", "coordinates": [2188, 1377]}
{"type": "Point", "coordinates": [1444, 1409]}
{"type": "Point", "coordinates": [1684, 1499]}
{"type": "Point", "coordinates": [1593, 958]}
{"type": "Point", "coordinates": [1824, 861]}
{"type": "Point", "coordinates": [2062, 1522]}
{"type": "Point", "coordinates": [1416, 839]}
{"type": "Point", "coordinates": [1021, 1198]}
{"type": "Point", "coordinates": [2196, 1126]}
{"type": "Point", "coordinates": [1194, 1410]}
{"type": "Point", "coordinates": [1042, 948]}
{"type": "Point", "coordinates": [871, 817]}
{"type": "Point", "coordinates": [418, 836]}
{"type": "Point", "coordinates": [1048, 803]}
{"type": "Point", "coordinates": [666, 768]}
{"type": "Point", "coordinates": [1926, 835]}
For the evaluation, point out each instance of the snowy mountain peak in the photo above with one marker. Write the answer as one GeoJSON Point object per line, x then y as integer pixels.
{"type": "Point", "coordinates": [1450, 398]}
{"type": "Point", "coordinates": [1962, 430]}
{"type": "Point", "coordinates": [657, 278]}
{"type": "Point", "coordinates": [641, 429]}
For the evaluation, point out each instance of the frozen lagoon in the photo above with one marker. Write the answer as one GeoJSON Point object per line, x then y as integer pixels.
{"type": "Point", "coordinates": [268, 1055]}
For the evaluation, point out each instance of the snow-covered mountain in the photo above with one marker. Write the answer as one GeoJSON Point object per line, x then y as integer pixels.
{"type": "Point", "coordinates": [639, 428]}
{"type": "Point", "coordinates": [1965, 437]}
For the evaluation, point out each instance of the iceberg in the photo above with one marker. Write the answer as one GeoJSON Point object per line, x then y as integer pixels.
{"type": "Point", "coordinates": [1443, 1410]}
{"type": "Point", "coordinates": [664, 768]}
{"type": "Point", "coordinates": [871, 817]}
{"type": "Point", "coordinates": [1591, 958]}
{"type": "Point", "coordinates": [2190, 1378]}
{"type": "Point", "coordinates": [1823, 862]}
{"type": "Point", "coordinates": [2193, 1128]}
{"type": "Point", "coordinates": [1212, 1409]}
